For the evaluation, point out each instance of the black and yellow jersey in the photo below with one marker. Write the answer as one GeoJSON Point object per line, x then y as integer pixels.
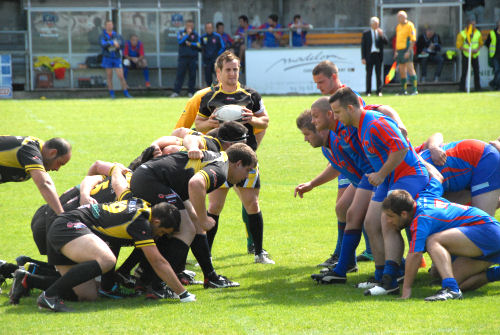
{"type": "Point", "coordinates": [18, 156]}
{"type": "Point", "coordinates": [175, 170]}
{"type": "Point", "coordinates": [243, 96]}
{"type": "Point", "coordinates": [210, 143]}
{"type": "Point", "coordinates": [103, 192]}
{"type": "Point", "coordinates": [187, 117]}
{"type": "Point", "coordinates": [122, 220]}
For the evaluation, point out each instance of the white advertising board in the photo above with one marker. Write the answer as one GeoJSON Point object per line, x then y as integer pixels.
{"type": "Point", "coordinates": [289, 70]}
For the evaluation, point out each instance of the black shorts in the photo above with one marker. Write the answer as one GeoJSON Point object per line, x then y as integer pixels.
{"type": "Point", "coordinates": [39, 228]}
{"type": "Point", "coordinates": [145, 185]}
{"type": "Point", "coordinates": [62, 231]}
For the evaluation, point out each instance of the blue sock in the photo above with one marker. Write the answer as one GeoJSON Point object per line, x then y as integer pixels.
{"type": "Point", "coordinates": [493, 274]}
{"type": "Point", "coordinates": [379, 271]}
{"type": "Point", "coordinates": [368, 249]}
{"type": "Point", "coordinates": [112, 93]}
{"type": "Point", "coordinates": [450, 283]}
{"type": "Point", "coordinates": [340, 237]}
{"type": "Point", "coordinates": [348, 251]}
{"type": "Point", "coordinates": [392, 269]}
{"type": "Point", "coordinates": [146, 73]}
{"type": "Point", "coordinates": [125, 93]}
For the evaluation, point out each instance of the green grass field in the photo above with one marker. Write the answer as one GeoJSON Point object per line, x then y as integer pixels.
{"type": "Point", "coordinates": [299, 233]}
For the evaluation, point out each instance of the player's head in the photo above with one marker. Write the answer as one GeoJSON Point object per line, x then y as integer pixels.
{"type": "Point", "coordinates": [209, 27]}
{"type": "Point", "coordinates": [399, 208]}
{"type": "Point", "coordinates": [242, 160]}
{"type": "Point", "coordinates": [189, 24]}
{"type": "Point", "coordinates": [56, 152]}
{"type": "Point", "coordinates": [296, 18]}
{"type": "Point", "coordinates": [321, 114]}
{"type": "Point", "coordinates": [325, 75]}
{"type": "Point", "coordinates": [243, 20]}
{"type": "Point", "coordinates": [231, 132]}
{"type": "Point", "coordinates": [344, 103]}
{"type": "Point", "coordinates": [227, 69]}
{"type": "Point", "coordinates": [311, 135]}
{"type": "Point", "coordinates": [374, 22]}
{"type": "Point", "coordinates": [402, 16]}
{"type": "Point", "coordinates": [272, 20]}
{"type": "Point", "coordinates": [219, 27]}
{"type": "Point", "coordinates": [134, 40]}
{"type": "Point", "coordinates": [471, 22]}
{"type": "Point", "coordinates": [108, 25]}
{"type": "Point", "coordinates": [165, 219]}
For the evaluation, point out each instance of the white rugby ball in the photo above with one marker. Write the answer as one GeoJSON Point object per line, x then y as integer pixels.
{"type": "Point", "coordinates": [229, 113]}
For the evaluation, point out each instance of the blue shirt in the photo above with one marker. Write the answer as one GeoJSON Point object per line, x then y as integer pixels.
{"type": "Point", "coordinates": [107, 44]}
{"type": "Point", "coordinates": [184, 49]}
{"type": "Point", "coordinates": [212, 45]}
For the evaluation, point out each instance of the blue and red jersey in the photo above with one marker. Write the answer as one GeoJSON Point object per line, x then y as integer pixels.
{"type": "Point", "coordinates": [132, 51]}
{"type": "Point", "coordinates": [462, 158]}
{"type": "Point", "coordinates": [270, 40]}
{"type": "Point", "coordinates": [434, 214]}
{"type": "Point", "coordinates": [380, 136]}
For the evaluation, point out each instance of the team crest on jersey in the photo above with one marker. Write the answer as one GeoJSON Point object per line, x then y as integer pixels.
{"type": "Point", "coordinates": [76, 225]}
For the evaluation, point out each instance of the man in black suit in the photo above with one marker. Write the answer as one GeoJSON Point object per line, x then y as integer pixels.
{"type": "Point", "coordinates": [372, 53]}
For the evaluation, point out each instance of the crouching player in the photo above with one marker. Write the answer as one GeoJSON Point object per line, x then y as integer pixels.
{"type": "Point", "coordinates": [446, 229]}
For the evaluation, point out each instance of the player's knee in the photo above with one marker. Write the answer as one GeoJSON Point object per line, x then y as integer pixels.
{"type": "Point", "coordinates": [341, 210]}
{"type": "Point", "coordinates": [252, 207]}
{"type": "Point", "coordinates": [215, 207]}
{"type": "Point", "coordinates": [354, 218]}
{"type": "Point", "coordinates": [107, 262]}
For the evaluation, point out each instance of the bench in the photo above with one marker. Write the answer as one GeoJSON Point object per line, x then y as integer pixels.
{"type": "Point", "coordinates": [333, 38]}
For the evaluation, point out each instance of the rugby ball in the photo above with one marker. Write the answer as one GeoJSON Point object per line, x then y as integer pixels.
{"type": "Point", "coordinates": [229, 113]}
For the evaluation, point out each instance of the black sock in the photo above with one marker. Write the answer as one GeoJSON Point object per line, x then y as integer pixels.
{"type": "Point", "coordinates": [257, 230]}
{"type": "Point", "coordinates": [132, 260]}
{"type": "Point", "coordinates": [200, 250]}
{"type": "Point", "coordinates": [175, 252]}
{"type": "Point", "coordinates": [211, 233]}
{"type": "Point", "coordinates": [77, 275]}
{"type": "Point", "coordinates": [108, 280]}
{"type": "Point", "coordinates": [42, 270]}
{"type": "Point", "coordinates": [40, 282]}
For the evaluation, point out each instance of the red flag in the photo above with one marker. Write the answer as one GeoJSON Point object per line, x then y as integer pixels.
{"type": "Point", "coordinates": [391, 74]}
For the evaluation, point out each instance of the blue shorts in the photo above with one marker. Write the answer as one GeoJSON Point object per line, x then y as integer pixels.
{"type": "Point", "coordinates": [487, 238]}
{"type": "Point", "coordinates": [111, 63]}
{"type": "Point", "coordinates": [343, 181]}
{"type": "Point", "coordinates": [411, 184]}
{"type": "Point", "coordinates": [486, 175]}
{"type": "Point", "coordinates": [365, 184]}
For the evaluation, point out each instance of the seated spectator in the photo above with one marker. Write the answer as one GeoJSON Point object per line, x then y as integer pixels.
{"type": "Point", "coordinates": [272, 37]}
{"type": "Point", "coordinates": [429, 50]}
{"type": "Point", "coordinates": [134, 53]}
{"type": "Point", "coordinates": [228, 41]}
{"type": "Point", "coordinates": [299, 31]}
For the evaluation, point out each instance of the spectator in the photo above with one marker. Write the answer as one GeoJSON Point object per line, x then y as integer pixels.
{"type": "Point", "coordinates": [406, 36]}
{"type": "Point", "coordinates": [474, 10]}
{"type": "Point", "coordinates": [134, 58]}
{"type": "Point", "coordinates": [493, 43]}
{"type": "Point", "coordinates": [429, 50]}
{"type": "Point", "coordinates": [212, 46]}
{"type": "Point", "coordinates": [228, 41]}
{"type": "Point", "coordinates": [111, 45]}
{"type": "Point", "coordinates": [372, 54]}
{"type": "Point", "coordinates": [272, 37]}
{"type": "Point", "coordinates": [189, 46]}
{"type": "Point", "coordinates": [299, 31]}
{"type": "Point", "coordinates": [240, 42]}
{"type": "Point", "coordinates": [476, 42]}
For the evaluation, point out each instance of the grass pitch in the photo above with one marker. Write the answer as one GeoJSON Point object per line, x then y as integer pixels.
{"type": "Point", "coordinates": [299, 233]}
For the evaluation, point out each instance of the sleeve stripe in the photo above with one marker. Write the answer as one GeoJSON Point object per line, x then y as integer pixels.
{"type": "Point", "coordinates": [145, 243]}
{"type": "Point", "coordinates": [207, 179]}
{"type": "Point", "coordinates": [34, 167]}
{"type": "Point", "coordinates": [124, 193]}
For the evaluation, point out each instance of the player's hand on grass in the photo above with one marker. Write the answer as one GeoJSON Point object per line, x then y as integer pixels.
{"type": "Point", "coordinates": [301, 189]}
{"type": "Point", "coordinates": [187, 297]}
{"type": "Point", "coordinates": [438, 155]}
{"type": "Point", "coordinates": [375, 178]}
{"type": "Point", "coordinates": [195, 154]}
{"type": "Point", "coordinates": [406, 294]}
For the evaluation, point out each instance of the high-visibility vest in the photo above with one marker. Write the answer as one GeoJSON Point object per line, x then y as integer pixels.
{"type": "Point", "coordinates": [474, 42]}
{"type": "Point", "coordinates": [493, 44]}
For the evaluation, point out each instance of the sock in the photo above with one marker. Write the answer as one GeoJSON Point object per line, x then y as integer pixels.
{"type": "Point", "coordinates": [212, 232]}
{"type": "Point", "coordinates": [256, 224]}
{"type": "Point", "coordinates": [132, 260]}
{"type": "Point", "coordinates": [340, 237]}
{"type": "Point", "coordinates": [41, 269]}
{"type": "Point", "coordinates": [125, 93]}
{"type": "Point", "coordinates": [39, 282]}
{"type": "Point", "coordinates": [108, 280]}
{"type": "Point", "coordinates": [175, 252]}
{"type": "Point", "coordinates": [379, 272]}
{"type": "Point", "coordinates": [146, 74]}
{"type": "Point", "coordinates": [391, 268]}
{"type": "Point", "coordinates": [244, 216]}
{"type": "Point", "coordinates": [368, 248]}
{"type": "Point", "coordinates": [450, 283]}
{"type": "Point", "coordinates": [200, 250]}
{"type": "Point", "coordinates": [348, 252]}
{"type": "Point", "coordinates": [112, 93]}
{"type": "Point", "coordinates": [413, 80]}
{"type": "Point", "coordinates": [493, 274]}
{"type": "Point", "coordinates": [77, 275]}
{"type": "Point", "coordinates": [403, 84]}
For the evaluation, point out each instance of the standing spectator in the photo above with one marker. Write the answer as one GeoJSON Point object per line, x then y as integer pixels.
{"type": "Point", "coordinates": [212, 46]}
{"type": "Point", "coordinates": [429, 50]}
{"type": "Point", "coordinates": [406, 36]}
{"type": "Point", "coordinates": [272, 37]}
{"type": "Point", "coordinates": [111, 45]}
{"type": "Point", "coordinates": [474, 10]}
{"type": "Point", "coordinates": [241, 43]}
{"type": "Point", "coordinates": [493, 43]}
{"type": "Point", "coordinates": [189, 46]}
{"type": "Point", "coordinates": [372, 54]}
{"type": "Point", "coordinates": [134, 53]}
{"type": "Point", "coordinates": [228, 41]}
{"type": "Point", "coordinates": [476, 42]}
{"type": "Point", "coordinates": [299, 31]}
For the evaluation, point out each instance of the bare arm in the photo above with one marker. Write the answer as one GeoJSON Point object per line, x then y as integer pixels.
{"type": "Point", "coordinates": [260, 121]}
{"type": "Point", "coordinates": [180, 132]}
{"type": "Point", "coordinates": [434, 143]}
{"type": "Point", "coordinates": [327, 175]}
{"type": "Point", "coordinates": [395, 158]}
{"type": "Point", "coordinates": [86, 187]}
{"type": "Point", "coordinates": [413, 260]}
{"type": "Point", "coordinates": [205, 124]}
{"type": "Point", "coordinates": [118, 182]}
{"type": "Point", "coordinates": [193, 144]}
{"type": "Point", "coordinates": [47, 189]}
{"type": "Point", "coordinates": [197, 194]}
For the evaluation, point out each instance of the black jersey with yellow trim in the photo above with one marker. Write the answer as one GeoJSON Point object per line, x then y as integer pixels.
{"type": "Point", "coordinates": [210, 143]}
{"type": "Point", "coordinates": [175, 170]}
{"type": "Point", "coordinates": [243, 96]}
{"type": "Point", "coordinates": [187, 117]}
{"type": "Point", "coordinates": [18, 156]}
{"type": "Point", "coordinates": [103, 192]}
{"type": "Point", "coordinates": [121, 220]}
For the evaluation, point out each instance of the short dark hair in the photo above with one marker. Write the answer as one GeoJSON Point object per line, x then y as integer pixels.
{"type": "Point", "coordinates": [325, 67]}
{"type": "Point", "coordinates": [297, 16]}
{"type": "Point", "coordinates": [232, 131]}
{"type": "Point", "coordinates": [243, 17]}
{"type": "Point", "coordinates": [273, 17]}
{"type": "Point", "coordinates": [345, 96]}
{"type": "Point", "coordinates": [398, 201]}
{"type": "Point", "coordinates": [218, 24]}
{"type": "Point", "coordinates": [168, 214]}
{"type": "Point", "coordinates": [60, 144]}
{"type": "Point", "coordinates": [226, 56]}
{"type": "Point", "coordinates": [242, 152]}
{"type": "Point", "coordinates": [304, 121]}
